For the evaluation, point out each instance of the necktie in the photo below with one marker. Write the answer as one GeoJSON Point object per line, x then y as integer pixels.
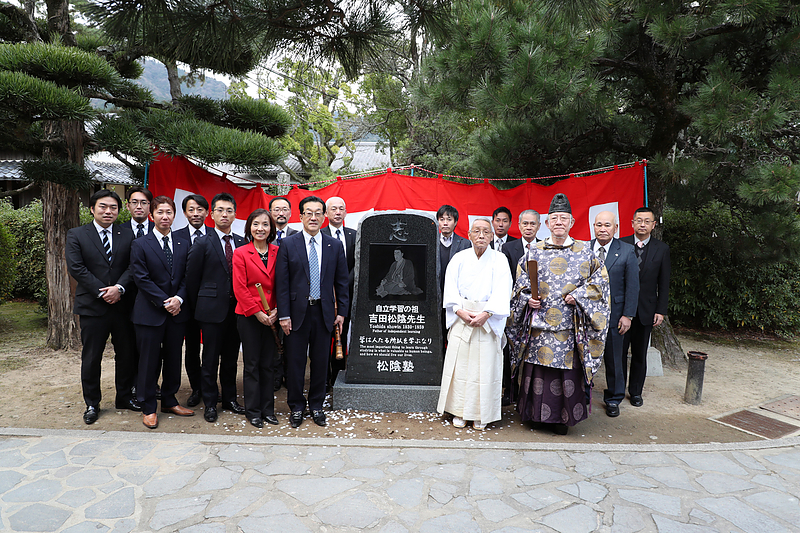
{"type": "Point", "coordinates": [197, 235]}
{"type": "Point", "coordinates": [107, 245]}
{"type": "Point", "coordinates": [228, 252]}
{"type": "Point", "coordinates": [339, 237]}
{"type": "Point", "coordinates": [313, 271]}
{"type": "Point", "coordinates": [140, 230]}
{"type": "Point", "coordinates": [280, 236]}
{"type": "Point", "coordinates": [602, 254]}
{"type": "Point", "coordinates": [639, 250]}
{"type": "Point", "coordinates": [167, 251]}
{"type": "Point", "coordinates": [498, 245]}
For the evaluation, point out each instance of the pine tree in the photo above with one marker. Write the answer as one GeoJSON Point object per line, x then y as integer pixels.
{"type": "Point", "coordinates": [708, 91]}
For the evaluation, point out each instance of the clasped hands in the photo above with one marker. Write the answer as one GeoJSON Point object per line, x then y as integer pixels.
{"type": "Point", "coordinates": [537, 304]}
{"type": "Point", "coordinates": [476, 320]}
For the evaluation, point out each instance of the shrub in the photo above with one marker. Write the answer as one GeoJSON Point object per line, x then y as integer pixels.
{"type": "Point", "coordinates": [716, 283]}
{"type": "Point", "coordinates": [8, 252]}
{"type": "Point", "coordinates": [25, 225]}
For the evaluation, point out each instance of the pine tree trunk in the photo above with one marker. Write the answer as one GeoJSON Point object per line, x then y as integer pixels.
{"type": "Point", "coordinates": [663, 338]}
{"type": "Point", "coordinates": [59, 214]}
{"type": "Point", "coordinates": [174, 80]}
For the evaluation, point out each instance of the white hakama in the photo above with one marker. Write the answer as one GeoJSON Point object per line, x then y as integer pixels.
{"type": "Point", "coordinates": [473, 366]}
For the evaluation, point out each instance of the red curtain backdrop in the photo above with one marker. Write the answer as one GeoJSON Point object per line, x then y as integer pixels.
{"type": "Point", "coordinates": [619, 190]}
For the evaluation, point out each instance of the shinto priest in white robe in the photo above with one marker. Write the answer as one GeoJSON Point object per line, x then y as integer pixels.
{"type": "Point", "coordinates": [473, 364]}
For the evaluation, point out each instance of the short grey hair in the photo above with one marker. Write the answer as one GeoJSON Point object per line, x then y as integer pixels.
{"type": "Point", "coordinates": [484, 219]}
{"type": "Point", "coordinates": [530, 212]}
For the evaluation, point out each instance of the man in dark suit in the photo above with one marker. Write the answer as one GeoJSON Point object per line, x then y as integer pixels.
{"type": "Point", "coordinates": [209, 284]}
{"type": "Point", "coordinates": [98, 258]}
{"type": "Point", "coordinates": [623, 272]}
{"type": "Point", "coordinates": [336, 211]}
{"type": "Point", "coordinates": [158, 264]}
{"type": "Point", "coordinates": [654, 269]}
{"type": "Point", "coordinates": [514, 250]}
{"type": "Point", "coordinates": [449, 245]}
{"type": "Point", "coordinates": [195, 209]}
{"type": "Point", "coordinates": [309, 268]}
{"type": "Point", "coordinates": [138, 205]}
{"type": "Point", "coordinates": [501, 222]}
{"type": "Point", "coordinates": [281, 210]}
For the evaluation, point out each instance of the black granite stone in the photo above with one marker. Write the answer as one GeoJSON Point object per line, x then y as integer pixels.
{"type": "Point", "coordinates": [395, 335]}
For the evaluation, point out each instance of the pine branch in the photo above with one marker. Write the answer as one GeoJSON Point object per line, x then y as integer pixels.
{"type": "Point", "coordinates": [715, 30]}
{"type": "Point", "coordinates": [14, 192]}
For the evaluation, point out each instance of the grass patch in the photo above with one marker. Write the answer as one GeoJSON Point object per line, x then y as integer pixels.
{"type": "Point", "coordinates": [10, 363]}
{"type": "Point", "coordinates": [22, 326]}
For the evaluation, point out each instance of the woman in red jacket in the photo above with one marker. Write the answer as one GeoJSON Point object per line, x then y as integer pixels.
{"type": "Point", "coordinates": [255, 263]}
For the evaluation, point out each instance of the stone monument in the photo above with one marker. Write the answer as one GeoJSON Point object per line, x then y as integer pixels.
{"type": "Point", "coordinates": [395, 358]}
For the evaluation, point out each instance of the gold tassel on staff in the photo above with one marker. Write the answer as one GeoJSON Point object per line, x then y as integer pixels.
{"type": "Point", "coordinates": [337, 333]}
{"type": "Point", "coordinates": [268, 310]}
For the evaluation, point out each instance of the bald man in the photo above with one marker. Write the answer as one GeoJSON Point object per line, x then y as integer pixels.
{"type": "Point", "coordinates": [623, 271]}
{"type": "Point", "coordinates": [336, 211]}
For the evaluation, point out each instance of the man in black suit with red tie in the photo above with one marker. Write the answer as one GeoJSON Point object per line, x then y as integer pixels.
{"type": "Point", "coordinates": [209, 283]}
{"type": "Point", "coordinates": [309, 267]}
{"type": "Point", "coordinates": [98, 258]}
{"type": "Point", "coordinates": [336, 211]}
{"type": "Point", "coordinates": [654, 270]}
{"type": "Point", "coordinates": [195, 209]}
{"type": "Point", "coordinates": [158, 264]}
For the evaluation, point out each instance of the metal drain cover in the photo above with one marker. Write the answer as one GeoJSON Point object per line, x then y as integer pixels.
{"type": "Point", "coordinates": [789, 406]}
{"type": "Point", "coordinates": [759, 424]}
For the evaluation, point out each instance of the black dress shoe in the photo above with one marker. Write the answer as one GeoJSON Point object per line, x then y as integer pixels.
{"type": "Point", "coordinates": [277, 385]}
{"type": "Point", "coordinates": [210, 414]}
{"type": "Point", "coordinates": [296, 418]}
{"type": "Point", "coordinates": [194, 399]}
{"type": "Point", "coordinates": [271, 419]}
{"type": "Point", "coordinates": [612, 409]}
{"type": "Point", "coordinates": [637, 401]}
{"type": "Point", "coordinates": [131, 404]}
{"type": "Point", "coordinates": [158, 392]}
{"type": "Point", "coordinates": [91, 414]}
{"type": "Point", "coordinates": [319, 418]}
{"type": "Point", "coordinates": [257, 422]}
{"type": "Point", "coordinates": [506, 400]}
{"type": "Point", "coordinates": [233, 407]}
{"type": "Point", "coordinates": [560, 429]}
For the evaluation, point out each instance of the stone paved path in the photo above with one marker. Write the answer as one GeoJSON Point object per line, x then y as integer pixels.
{"type": "Point", "coordinates": [93, 481]}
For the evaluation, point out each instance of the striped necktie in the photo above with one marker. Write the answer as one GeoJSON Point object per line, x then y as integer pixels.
{"type": "Point", "coordinates": [313, 271]}
{"type": "Point", "coordinates": [107, 244]}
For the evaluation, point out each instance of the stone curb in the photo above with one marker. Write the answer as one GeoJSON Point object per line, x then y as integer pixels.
{"type": "Point", "coordinates": [398, 443]}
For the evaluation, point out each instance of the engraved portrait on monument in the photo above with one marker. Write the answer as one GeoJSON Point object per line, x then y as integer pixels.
{"type": "Point", "coordinates": [400, 279]}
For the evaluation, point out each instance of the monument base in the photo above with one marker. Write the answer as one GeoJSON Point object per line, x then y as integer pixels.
{"type": "Point", "coordinates": [384, 398]}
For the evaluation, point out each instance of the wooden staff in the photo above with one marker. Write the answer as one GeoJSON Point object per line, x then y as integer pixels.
{"type": "Point", "coordinates": [337, 333]}
{"type": "Point", "coordinates": [268, 310]}
{"type": "Point", "coordinates": [533, 275]}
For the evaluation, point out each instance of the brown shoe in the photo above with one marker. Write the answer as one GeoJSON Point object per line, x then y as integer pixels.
{"type": "Point", "coordinates": [177, 410]}
{"type": "Point", "coordinates": [150, 421]}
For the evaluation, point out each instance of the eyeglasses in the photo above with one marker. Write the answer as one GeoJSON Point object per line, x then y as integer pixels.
{"type": "Point", "coordinates": [481, 232]}
{"type": "Point", "coordinates": [560, 218]}
{"type": "Point", "coordinates": [224, 211]}
{"type": "Point", "coordinates": [643, 221]}
{"type": "Point", "coordinates": [142, 203]}
{"type": "Point", "coordinates": [313, 214]}
{"type": "Point", "coordinates": [282, 209]}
